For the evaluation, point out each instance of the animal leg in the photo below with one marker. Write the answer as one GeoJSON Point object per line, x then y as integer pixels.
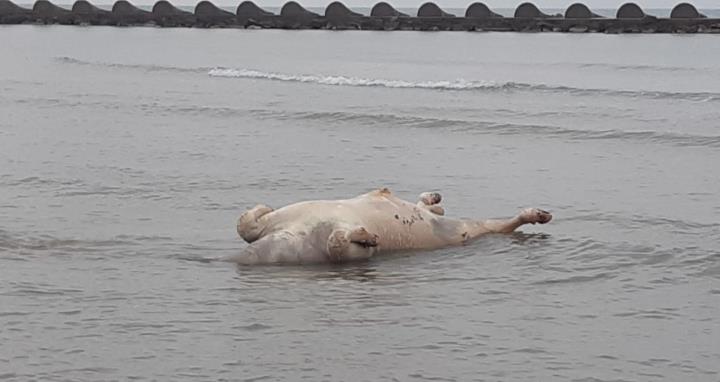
{"type": "Point", "coordinates": [526, 216]}
{"type": "Point", "coordinates": [431, 202]}
{"type": "Point", "coordinates": [355, 244]}
{"type": "Point", "coordinates": [249, 226]}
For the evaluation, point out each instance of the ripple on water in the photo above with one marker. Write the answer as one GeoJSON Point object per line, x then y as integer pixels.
{"type": "Point", "coordinates": [254, 327]}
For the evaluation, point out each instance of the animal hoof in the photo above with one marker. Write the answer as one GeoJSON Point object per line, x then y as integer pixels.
{"type": "Point", "coordinates": [364, 238]}
{"type": "Point", "coordinates": [430, 198]}
{"type": "Point", "coordinates": [535, 215]}
{"type": "Point", "coordinates": [248, 225]}
{"type": "Point", "coordinates": [437, 210]}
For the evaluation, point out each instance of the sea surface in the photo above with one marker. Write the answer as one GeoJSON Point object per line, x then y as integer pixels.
{"type": "Point", "coordinates": [127, 154]}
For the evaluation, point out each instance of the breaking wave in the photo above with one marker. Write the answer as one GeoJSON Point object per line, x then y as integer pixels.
{"type": "Point", "coordinates": [456, 85]}
{"type": "Point", "coordinates": [355, 81]}
{"type": "Point", "coordinates": [441, 85]}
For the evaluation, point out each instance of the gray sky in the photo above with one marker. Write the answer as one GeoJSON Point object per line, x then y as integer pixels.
{"type": "Point", "coordinates": [613, 4]}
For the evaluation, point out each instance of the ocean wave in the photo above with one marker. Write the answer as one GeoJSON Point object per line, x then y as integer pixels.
{"type": "Point", "coordinates": [611, 66]}
{"type": "Point", "coordinates": [356, 81]}
{"type": "Point", "coordinates": [490, 127]}
{"type": "Point", "coordinates": [649, 94]}
{"type": "Point", "coordinates": [683, 140]}
{"type": "Point", "coordinates": [437, 85]}
{"type": "Point", "coordinates": [456, 85]}
{"type": "Point", "coordinates": [144, 67]}
{"type": "Point", "coordinates": [644, 67]}
{"type": "Point", "coordinates": [459, 125]}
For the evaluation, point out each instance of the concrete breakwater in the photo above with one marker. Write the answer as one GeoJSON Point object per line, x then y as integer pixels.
{"type": "Point", "coordinates": [578, 18]}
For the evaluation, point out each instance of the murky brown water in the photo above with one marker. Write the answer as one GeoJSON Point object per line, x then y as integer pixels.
{"type": "Point", "coordinates": [126, 156]}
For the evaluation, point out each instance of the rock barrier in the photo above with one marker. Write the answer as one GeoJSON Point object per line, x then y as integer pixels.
{"type": "Point", "coordinates": [578, 18]}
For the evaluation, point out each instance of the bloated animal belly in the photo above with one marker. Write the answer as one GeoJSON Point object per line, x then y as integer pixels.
{"type": "Point", "coordinates": [404, 228]}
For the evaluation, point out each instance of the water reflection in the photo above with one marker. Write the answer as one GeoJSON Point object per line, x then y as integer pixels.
{"type": "Point", "coordinates": [356, 271]}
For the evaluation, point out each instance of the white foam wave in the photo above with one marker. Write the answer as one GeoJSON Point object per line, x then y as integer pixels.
{"type": "Point", "coordinates": [456, 85]}
{"type": "Point", "coordinates": [459, 84]}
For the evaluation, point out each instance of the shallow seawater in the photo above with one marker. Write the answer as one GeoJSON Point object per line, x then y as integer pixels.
{"type": "Point", "coordinates": [126, 155]}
